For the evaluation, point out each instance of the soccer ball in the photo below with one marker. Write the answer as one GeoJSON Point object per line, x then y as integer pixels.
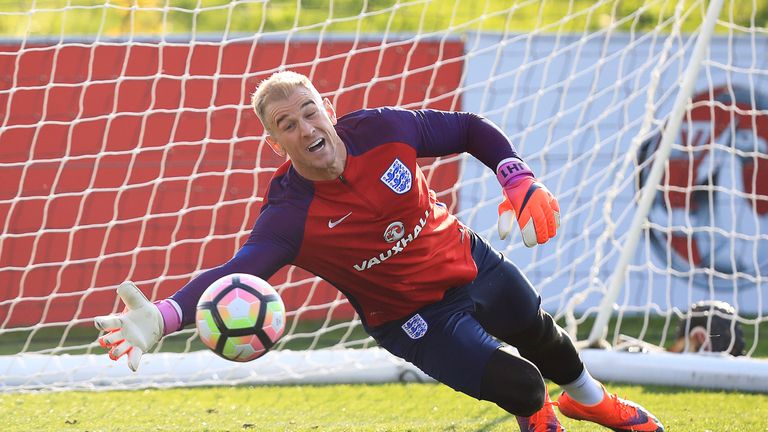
{"type": "Point", "coordinates": [240, 317]}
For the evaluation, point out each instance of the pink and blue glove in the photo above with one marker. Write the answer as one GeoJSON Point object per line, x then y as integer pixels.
{"type": "Point", "coordinates": [528, 201]}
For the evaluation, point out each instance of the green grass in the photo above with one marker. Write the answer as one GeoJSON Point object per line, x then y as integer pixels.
{"type": "Point", "coordinates": [390, 407]}
{"type": "Point", "coordinates": [55, 18]}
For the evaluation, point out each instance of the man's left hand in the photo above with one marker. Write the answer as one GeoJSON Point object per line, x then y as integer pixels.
{"type": "Point", "coordinates": [535, 208]}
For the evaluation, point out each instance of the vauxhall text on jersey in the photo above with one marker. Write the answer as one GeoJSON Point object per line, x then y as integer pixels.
{"type": "Point", "coordinates": [397, 248]}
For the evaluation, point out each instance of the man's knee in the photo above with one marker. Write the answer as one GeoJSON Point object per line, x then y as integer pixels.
{"type": "Point", "coordinates": [550, 348]}
{"type": "Point", "coordinates": [513, 383]}
{"type": "Point", "coordinates": [540, 329]}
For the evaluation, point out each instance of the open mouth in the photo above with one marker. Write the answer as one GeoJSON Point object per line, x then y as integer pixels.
{"type": "Point", "coordinates": [316, 145]}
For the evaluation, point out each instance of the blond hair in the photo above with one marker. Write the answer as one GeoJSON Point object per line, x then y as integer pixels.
{"type": "Point", "coordinates": [279, 85]}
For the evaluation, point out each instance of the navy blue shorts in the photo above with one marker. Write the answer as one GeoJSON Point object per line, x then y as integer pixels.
{"type": "Point", "coordinates": [452, 340]}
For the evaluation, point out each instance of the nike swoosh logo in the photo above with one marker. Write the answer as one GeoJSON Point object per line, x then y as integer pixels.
{"type": "Point", "coordinates": [332, 223]}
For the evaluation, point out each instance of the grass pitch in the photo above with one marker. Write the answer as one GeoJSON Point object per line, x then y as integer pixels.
{"type": "Point", "coordinates": [388, 407]}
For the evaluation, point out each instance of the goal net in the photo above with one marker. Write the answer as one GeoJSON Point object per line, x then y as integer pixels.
{"type": "Point", "coordinates": [129, 151]}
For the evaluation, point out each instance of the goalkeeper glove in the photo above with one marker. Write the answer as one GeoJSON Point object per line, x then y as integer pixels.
{"type": "Point", "coordinates": [528, 201]}
{"type": "Point", "coordinates": [134, 331]}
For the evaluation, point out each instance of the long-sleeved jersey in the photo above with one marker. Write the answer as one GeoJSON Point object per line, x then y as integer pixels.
{"type": "Point", "coordinates": [377, 232]}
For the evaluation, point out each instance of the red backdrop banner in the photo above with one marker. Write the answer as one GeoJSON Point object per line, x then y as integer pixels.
{"type": "Point", "coordinates": [144, 161]}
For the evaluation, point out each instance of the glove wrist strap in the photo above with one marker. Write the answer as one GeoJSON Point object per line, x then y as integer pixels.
{"type": "Point", "coordinates": [511, 170]}
{"type": "Point", "coordinates": [170, 311]}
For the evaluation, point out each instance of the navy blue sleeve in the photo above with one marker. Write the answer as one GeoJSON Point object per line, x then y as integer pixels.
{"type": "Point", "coordinates": [440, 133]}
{"type": "Point", "coordinates": [273, 243]}
{"type": "Point", "coordinates": [260, 259]}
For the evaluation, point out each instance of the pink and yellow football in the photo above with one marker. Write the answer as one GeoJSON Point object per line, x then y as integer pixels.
{"type": "Point", "coordinates": [240, 317]}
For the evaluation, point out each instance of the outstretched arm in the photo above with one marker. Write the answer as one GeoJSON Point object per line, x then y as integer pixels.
{"type": "Point", "coordinates": [260, 259]}
{"type": "Point", "coordinates": [141, 325]}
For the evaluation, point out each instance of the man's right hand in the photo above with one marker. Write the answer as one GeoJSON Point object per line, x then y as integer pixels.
{"type": "Point", "coordinates": [134, 331]}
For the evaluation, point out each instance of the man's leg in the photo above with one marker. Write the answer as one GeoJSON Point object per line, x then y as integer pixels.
{"type": "Point", "coordinates": [445, 341]}
{"type": "Point", "coordinates": [508, 307]}
{"type": "Point", "coordinates": [504, 300]}
{"type": "Point", "coordinates": [513, 383]}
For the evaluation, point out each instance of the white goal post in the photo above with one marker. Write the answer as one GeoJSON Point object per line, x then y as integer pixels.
{"type": "Point", "coordinates": [129, 151]}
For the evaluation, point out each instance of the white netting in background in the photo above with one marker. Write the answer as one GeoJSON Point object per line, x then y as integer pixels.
{"type": "Point", "coordinates": [128, 150]}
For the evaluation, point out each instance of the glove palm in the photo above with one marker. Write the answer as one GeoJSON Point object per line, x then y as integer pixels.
{"type": "Point", "coordinates": [134, 331]}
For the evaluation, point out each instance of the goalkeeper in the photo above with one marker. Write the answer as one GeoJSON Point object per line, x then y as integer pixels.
{"type": "Point", "coordinates": [352, 206]}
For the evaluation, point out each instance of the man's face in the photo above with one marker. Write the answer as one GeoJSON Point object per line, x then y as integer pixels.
{"type": "Point", "coordinates": [301, 126]}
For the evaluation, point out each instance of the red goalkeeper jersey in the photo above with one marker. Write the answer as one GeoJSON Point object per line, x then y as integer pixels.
{"type": "Point", "coordinates": [377, 233]}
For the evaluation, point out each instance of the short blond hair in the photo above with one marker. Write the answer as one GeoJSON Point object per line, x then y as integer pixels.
{"type": "Point", "coordinates": [278, 86]}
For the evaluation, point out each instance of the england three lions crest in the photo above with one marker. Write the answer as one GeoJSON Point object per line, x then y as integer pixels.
{"type": "Point", "coordinates": [415, 327]}
{"type": "Point", "coordinates": [398, 177]}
